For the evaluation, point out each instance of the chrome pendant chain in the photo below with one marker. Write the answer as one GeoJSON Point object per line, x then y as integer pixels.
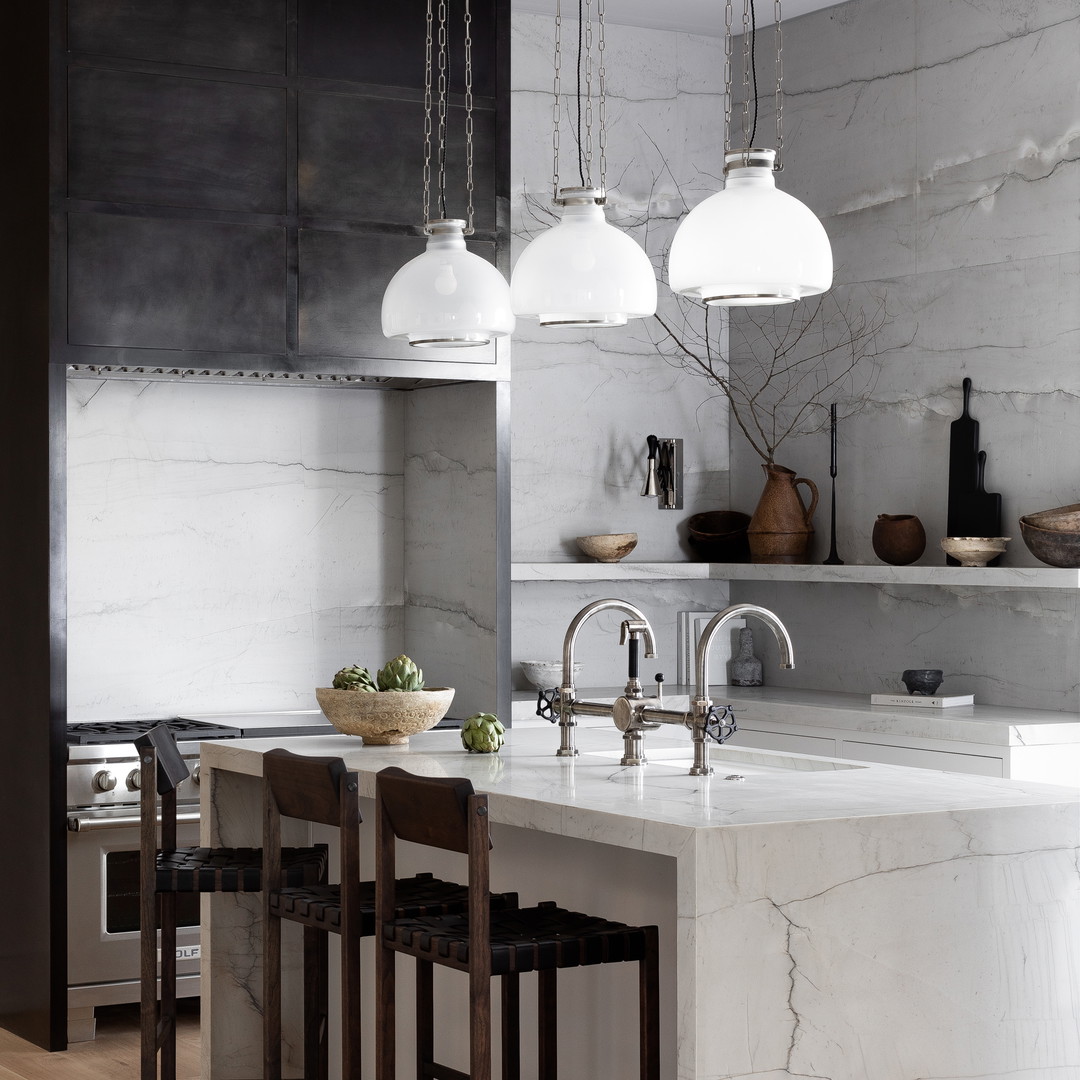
{"type": "Point", "coordinates": [749, 33]}
{"type": "Point", "coordinates": [556, 105]}
{"type": "Point", "coordinates": [436, 98]}
{"type": "Point", "coordinates": [590, 60]}
{"type": "Point", "coordinates": [779, 163]}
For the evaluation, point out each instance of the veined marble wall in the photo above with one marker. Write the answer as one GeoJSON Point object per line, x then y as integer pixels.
{"type": "Point", "coordinates": [584, 402]}
{"type": "Point", "coordinates": [230, 547]}
{"type": "Point", "coordinates": [938, 143]}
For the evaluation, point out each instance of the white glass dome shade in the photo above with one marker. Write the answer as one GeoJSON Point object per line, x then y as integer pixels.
{"type": "Point", "coordinates": [750, 243]}
{"type": "Point", "coordinates": [583, 272]}
{"type": "Point", "coordinates": [447, 298]}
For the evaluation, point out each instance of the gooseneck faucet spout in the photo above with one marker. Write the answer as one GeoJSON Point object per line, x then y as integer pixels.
{"type": "Point", "coordinates": [636, 626]}
{"type": "Point", "coordinates": [705, 720]}
{"type": "Point", "coordinates": [718, 621]}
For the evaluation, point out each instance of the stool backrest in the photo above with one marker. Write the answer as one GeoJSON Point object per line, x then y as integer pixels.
{"type": "Point", "coordinates": [428, 810]}
{"type": "Point", "coordinates": [441, 812]}
{"type": "Point", "coordinates": [171, 769]}
{"type": "Point", "coordinates": [309, 788]}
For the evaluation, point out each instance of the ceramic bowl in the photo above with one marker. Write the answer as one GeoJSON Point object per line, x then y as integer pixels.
{"type": "Point", "coordinates": [1060, 519]}
{"type": "Point", "coordinates": [608, 547]}
{"type": "Point", "coordinates": [974, 550]}
{"type": "Point", "coordinates": [544, 674]}
{"type": "Point", "coordinates": [1055, 547]}
{"type": "Point", "coordinates": [387, 718]}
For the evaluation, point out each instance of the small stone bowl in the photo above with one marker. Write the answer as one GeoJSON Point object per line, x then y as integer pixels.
{"type": "Point", "coordinates": [386, 718]}
{"type": "Point", "coordinates": [922, 681]}
{"type": "Point", "coordinates": [608, 547]}
{"type": "Point", "coordinates": [545, 674]}
{"type": "Point", "coordinates": [974, 550]}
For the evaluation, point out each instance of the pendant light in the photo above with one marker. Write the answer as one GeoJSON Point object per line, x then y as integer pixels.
{"type": "Point", "coordinates": [583, 272]}
{"type": "Point", "coordinates": [446, 298]}
{"type": "Point", "coordinates": [750, 244]}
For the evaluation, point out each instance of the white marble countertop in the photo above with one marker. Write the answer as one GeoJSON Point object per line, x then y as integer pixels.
{"type": "Point", "coordinates": [594, 793]}
{"type": "Point", "coordinates": [993, 725]}
{"type": "Point", "coordinates": [819, 917]}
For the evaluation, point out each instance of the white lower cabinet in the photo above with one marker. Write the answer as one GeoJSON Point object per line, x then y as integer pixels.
{"type": "Point", "coordinates": [922, 758]}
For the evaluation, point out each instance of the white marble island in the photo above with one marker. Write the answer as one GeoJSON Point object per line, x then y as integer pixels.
{"type": "Point", "coordinates": [819, 919]}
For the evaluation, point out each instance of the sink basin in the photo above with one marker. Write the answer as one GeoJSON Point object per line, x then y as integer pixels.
{"type": "Point", "coordinates": [745, 761]}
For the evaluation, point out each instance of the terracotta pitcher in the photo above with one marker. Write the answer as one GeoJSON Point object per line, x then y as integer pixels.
{"type": "Point", "coordinates": [782, 526]}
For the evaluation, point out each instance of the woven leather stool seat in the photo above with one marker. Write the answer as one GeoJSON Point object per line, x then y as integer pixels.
{"type": "Point", "coordinates": [322, 790]}
{"type": "Point", "coordinates": [320, 905]}
{"type": "Point", "coordinates": [485, 942]}
{"type": "Point", "coordinates": [524, 939]}
{"type": "Point", "coordinates": [185, 870]}
{"type": "Point", "coordinates": [166, 870]}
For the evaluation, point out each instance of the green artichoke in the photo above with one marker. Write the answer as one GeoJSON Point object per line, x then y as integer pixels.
{"type": "Point", "coordinates": [482, 733]}
{"type": "Point", "coordinates": [354, 678]}
{"type": "Point", "coordinates": [400, 674]}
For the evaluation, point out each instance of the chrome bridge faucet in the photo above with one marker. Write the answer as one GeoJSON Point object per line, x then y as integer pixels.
{"type": "Point", "coordinates": [633, 629]}
{"type": "Point", "coordinates": [632, 714]}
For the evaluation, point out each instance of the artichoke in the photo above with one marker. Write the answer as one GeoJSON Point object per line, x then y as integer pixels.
{"type": "Point", "coordinates": [482, 733]}
{"type": "Point", "coordinates": [400, 674]}
{"type": "Point", "coordinates": [354, 678]}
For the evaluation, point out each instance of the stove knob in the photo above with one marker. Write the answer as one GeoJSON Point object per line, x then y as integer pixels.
{"type": "Point", "coordinates": [134, 780]}
{"type": "Point", "coordinates": [196, 775]}
{"type": "Point", "coordinates": [103, 781]}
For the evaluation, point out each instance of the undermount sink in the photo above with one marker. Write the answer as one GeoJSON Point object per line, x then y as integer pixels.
{"type": "Point", "coordinates": [732, 759]}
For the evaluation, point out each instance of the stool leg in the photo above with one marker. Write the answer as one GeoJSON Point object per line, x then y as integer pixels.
{"type": "Point", "coordinates": [511, 1027]}
{"type": "Point", "coordinates": [148, 992]}
{"type": "Point", "coordinates": [316, 1005]}
{"type": "Point", "coordinates": [547, 1025]}
{"type": "Point", "coordinates": [166, 1037]}
{"type": "Point", "coordinates": [425, 1018]}
{"type": "Point", "coordinates": [385, 1019]}
{"type": "Point", "coordinates": [271, 996]}
{"type": "Point", "coordinates": [649, 998]}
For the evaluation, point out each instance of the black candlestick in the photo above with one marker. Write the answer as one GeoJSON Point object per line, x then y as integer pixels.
{"type": "Point", "coordinates": [833, 559]}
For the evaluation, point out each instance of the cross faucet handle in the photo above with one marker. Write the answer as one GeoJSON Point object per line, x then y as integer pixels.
{"type": "Point", "coordinates": [720, 723]}
{"type": "Point", "coordinates": [547, 704]}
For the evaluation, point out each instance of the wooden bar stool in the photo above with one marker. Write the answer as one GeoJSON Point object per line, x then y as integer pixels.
{"type": "Point", "coordinates": [323, 790]}
{"type": "Point", "coordinates": [446, 813]}
{"type": "Point", "coordinates": [168, 870]}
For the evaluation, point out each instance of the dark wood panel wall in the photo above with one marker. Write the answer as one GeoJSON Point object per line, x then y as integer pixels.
{"type": "Point", "coordinates": [190, 181]}
{"type": "Point", "coordinates": [243, 177]}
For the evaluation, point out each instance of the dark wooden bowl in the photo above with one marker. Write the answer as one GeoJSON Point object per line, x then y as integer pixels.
{"type": "Point", "coordinates": [1052, 546]}
{"type": "Point", "coordinates": [720, 536]}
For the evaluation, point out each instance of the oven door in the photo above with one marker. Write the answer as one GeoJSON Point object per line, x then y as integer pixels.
{"type": "Point", "coordinates": [103, 901]}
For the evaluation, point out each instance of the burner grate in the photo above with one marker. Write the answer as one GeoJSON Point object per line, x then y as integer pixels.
{"type": "Point", "coordinates": [97, 732]}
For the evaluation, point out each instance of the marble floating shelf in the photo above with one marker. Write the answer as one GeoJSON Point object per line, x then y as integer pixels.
{"type": "Point", "coordinates": [995, 577]}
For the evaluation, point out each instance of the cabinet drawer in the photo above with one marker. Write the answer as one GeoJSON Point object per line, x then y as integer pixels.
{"type": "Point", "coordinates": [942, 760]}
{"type": "Point", "coordinates": [792, 744]}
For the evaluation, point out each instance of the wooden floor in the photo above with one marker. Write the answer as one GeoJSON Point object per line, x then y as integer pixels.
{"type": "Point", "coordinates": [113, 1055]}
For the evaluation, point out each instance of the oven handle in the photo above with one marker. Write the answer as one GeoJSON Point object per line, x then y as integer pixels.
{"type": "Point", "coordinates": [91, 824]}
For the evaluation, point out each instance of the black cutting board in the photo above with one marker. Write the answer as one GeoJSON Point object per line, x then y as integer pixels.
{"type": "Point", "coordinates": [971, 509]}
{"type": "Point", "coordinates": [980, 510]}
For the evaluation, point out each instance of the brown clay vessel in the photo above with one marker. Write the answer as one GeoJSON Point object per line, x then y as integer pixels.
{"type": "Point", "coordinates": [781, 528]}
{"type": "Point", "coordinates": [898, 539]}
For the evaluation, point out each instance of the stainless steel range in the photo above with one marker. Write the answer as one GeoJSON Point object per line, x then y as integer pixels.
{"type": "Point", "coordinates": [103, 851]}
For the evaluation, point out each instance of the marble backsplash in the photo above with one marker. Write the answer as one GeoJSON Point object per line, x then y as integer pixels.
{"type": "Point", "coordinates": [230, 547]}
{"type": "Point", "coordinates": [938, 145]}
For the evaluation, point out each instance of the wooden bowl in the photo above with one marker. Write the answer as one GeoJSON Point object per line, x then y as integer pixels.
{"type": "Point", "coordinates": [608, 547]}
{"type": "Point", "coordinates": [720, 536]}
{"type": "Point", "coordinates": [387, 718]}
{"type": "Point", "coordinates": [1060, 519]}
{"type": "Point", "coordinates": [1055, 547]}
